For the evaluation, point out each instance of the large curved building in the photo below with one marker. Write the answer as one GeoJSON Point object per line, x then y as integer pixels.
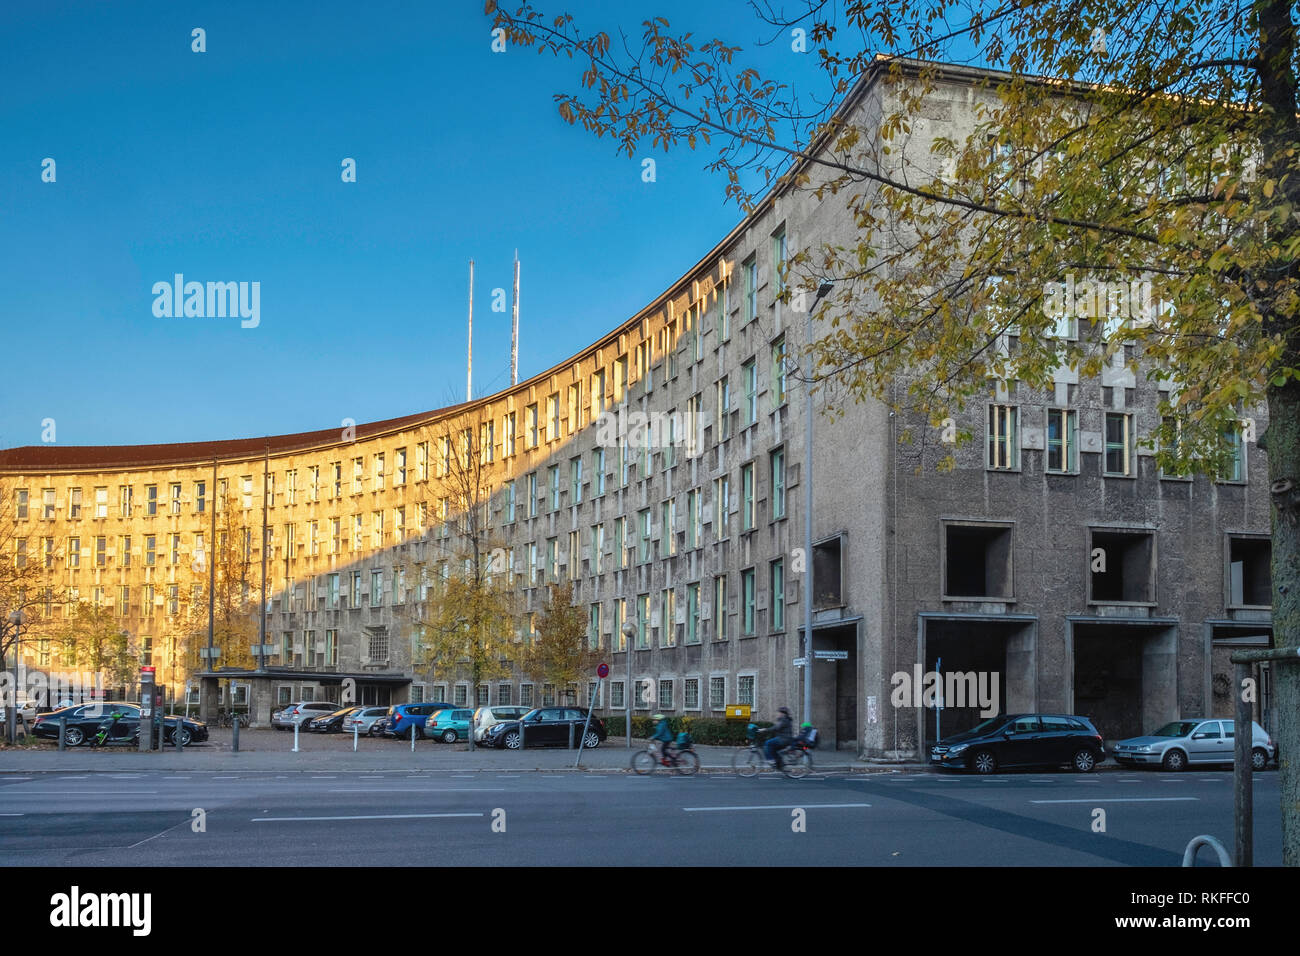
{"type": "Point", "coordinates": [694, 536]}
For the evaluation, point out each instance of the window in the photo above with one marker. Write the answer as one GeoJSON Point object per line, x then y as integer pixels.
{"type": "Point", "coordinates": [978, 561]}
{"type": "Point", "coordinates": [534, 565]}
{"type": "Point", "coordinates": [598, 467]}
{"type": "Point", "coordinates": [1119, 454]}
{"type": "Point", "coordinates": [101, 501]}
{"type": "Point", "coordinates": [750, 273]}
{"type": "Point", "coordinates": [620, 379]}
{"type": "Point", "coordinates": [693, 519]}
{"type": "Point", "coordinates": [693, 613]}
{"type": "Point", "coordinates": [47, 503]}
{"type": "Point", "coordinates": [175, 549]}
{"type": "Point", "coordinates": [745, 693]}
{"type": "Point", "coordinates": [399, 465]}
{"type": "Point", "coordinates": [747, 497]}
{"type": "Point", "coordinates": [1250, 578]}
{"type": "Point", "coordinates": [778, 595]}
{"type": "Point", "coordinates": [358, 475]}
{"type": "Point", "coordinates": [1062, 441]}
{"type": "Point", "coordinates": [749, 377]}
{"type": "Point", "coordinates": [620, 541]}
{"type": "Point", "coordinates": [616, 700]}
{"type": "Point", "coordinates": [399, 524]}
{"type": "Point", "coordinates": [101, 551]}
{"type": "Point", "coordinates": [668, 618]}
{"type": "Point", "coordinates": [665, 695]}
{"type": "Point", "coordinates": [1235, 470]}
{"type": "Point", "coordinates": [778, 483]}
{"type": "Point", "coordinates": [692, 694]}
{"type": "Point", "coordinates": [721, 506]}
{"type": "Point", "coordinates": [123, 550]}
{"type": "Point", "coordinates": [150, 551]}
{"type": "Point", "coordinates": [593, 627]}
{"type": "Point", "coordinates": [1122, 567]}
{"type": "Point", "coordinates": [553, 486]}
{"type": "Point", "coordinates": [336, 535]}
{"type": "Point", "coordinates": [552, 560]}
{"type": "Point", "coordinates": [717, 693]}
{"type": "Point", "coordinates": [510, 501]}
{"type": "Point", "coordinates": [20, 504]}
{"type": "Point", "coordinates": [291, 486]}
{"type": "Point", "coordinates": [722, 295]}
{"type": "Point", "coordinates": [575, 480]}
{"type": "Point", "coordinates": [336, 469]}
{"type": "Point", "coordinates": [376, 588]}
{"type": "Point", "coordinates": [333, 588]}
{"type": "Point", "coordinates": [124, 494]}
{"type": "Point", "coordinates": [530, 426]}
{"type": "Point", "coordinates": [694, 425]}
{"type": "Point", "coordinates": [778, 372]}
{"type": "Point", "coordinates": [643, 523]}
{"type": "Point", "coordinates": [722, 422]}
{"type": "Point", "coordinates": [379, 472]}
{"type": "Point", "coordinates": [553, 416]}
{"type": "Point", "coordinates": [575, 407]}
{"type": "Point", "coordinates": [354, 592]}
{"type": "Point", "coordinates": [747, 595]}
{"type": "Point", "coordinates": [74, 504]}
{"type": "Point", "coordinates": [532, 494]}
{"type": "Point", "coordinates": [1002, 442]}
{"type": "Point", "coordinates": [378, 645]}
{"type": "Point", "coordinates": [574, 559]}
{"type": "Point", "coordinates": [642, 620]}
{"type": "Point", "coordinates": [667, 537]}
{"type": "Point", "coordinates": [617, 638]}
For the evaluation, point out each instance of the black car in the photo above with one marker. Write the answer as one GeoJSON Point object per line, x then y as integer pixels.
{"type": "Point", "coordinates": [547, 727]}
{"type": "Point", "coordinates": [330, 723]}
{"type": "Point", "coordinates": [1023, 740]}
{"type": "Point", "coordinates": [84, 721]}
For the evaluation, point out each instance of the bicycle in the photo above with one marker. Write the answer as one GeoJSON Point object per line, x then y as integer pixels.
{"type": "Point", "coordinates": [794, 760]}
{"type": "Point", "coordinates": [685, 762]}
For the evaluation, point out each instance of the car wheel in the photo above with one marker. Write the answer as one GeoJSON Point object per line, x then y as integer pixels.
{"type": "Point", "coordinates": [1084, 761]}
{"type": "Point", "coordinates": [374, 731]}
{"type": "Point", "coordinates": [592, 740]}
{"type": "Point", "coordinates": [449, 737]}
{"type": "Point", "coordinates": [512, 740]}
{"type": "Point", "coordinates": [183, 733]}
{"type": "Point", "coordinates": [74, 736]}
{"type": "Point", "coordinates": [1259, 759]}
{"type": "Point", "coordinates": [1175, 760]}
{"type": "Point", "coordinates": [984, 762]}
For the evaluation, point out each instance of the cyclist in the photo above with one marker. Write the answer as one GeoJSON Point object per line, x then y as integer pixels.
{"type": "Point", "coordinates": [662, 738]}
{"type": "Point", "coordinates": [782, 732]}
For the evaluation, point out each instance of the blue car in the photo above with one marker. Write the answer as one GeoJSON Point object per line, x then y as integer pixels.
{"type": "Point", "coordinates": [402, 717]}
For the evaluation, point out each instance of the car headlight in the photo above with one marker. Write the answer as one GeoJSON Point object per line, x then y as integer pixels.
{"type": "Point", "coordinates": [1143, 750]}
{"type": "Point", "coordinates": [957, 748]}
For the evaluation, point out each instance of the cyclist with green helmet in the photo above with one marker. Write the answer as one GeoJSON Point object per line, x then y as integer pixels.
{"type": "Point", "coordinates": [662, 737]}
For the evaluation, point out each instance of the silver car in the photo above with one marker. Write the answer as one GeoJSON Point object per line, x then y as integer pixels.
{"type": "Point", "coordinates": [363, 721]}
{"type": "Point", "coordinates": [300, 712]}
{"type": "Point", "coordinates": [485, 717]}
{"type": "Point", "coordinates": [1182, 743]}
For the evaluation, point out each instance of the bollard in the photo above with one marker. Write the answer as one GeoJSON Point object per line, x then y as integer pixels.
{"type": "Point", "coordinates": [354, 736]}
{"type": "Point", "coordinates": [63, 730]}
{"type": "Point", "coordinates": [176, 737]}
{"type": "Point", "coordinates": [234, 736]}
{"type": "Point", "coordinates": [412, 738]}
{"type": "Point", "coordinates": [295, 738]}
{"type": "Point", "coordinates": [571, 727]}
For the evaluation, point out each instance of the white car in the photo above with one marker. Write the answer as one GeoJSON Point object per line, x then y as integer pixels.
{"type": "Point", "coordinates": [363, 720]}
{"type": "Point", "coordinates": [486, 717]}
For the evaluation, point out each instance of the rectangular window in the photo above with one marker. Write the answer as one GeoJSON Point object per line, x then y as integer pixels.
{"type": "Point", "coordinates": [620, 379]}
{"type": "Point", "coordinates": [354, 593]}
{"type": "Point", "coordinates": [667, 537]}
{"type": "Point", "coordinates": [101, 501]}
{"type": "Point", "coordinates": [665, 695]}
{"type": "Point", "coordinates": [693, 613]}
{"type": "Point", "coordinates": [1003, 445]}
{"type": "Point", "coordinates": [101, 551]}
{"type": "Point", "coordinates": [123, 550]}
{"type": "Point", "coordinates": [247, 482]}
{"type": "Point", "coordinates": [531, 435]}
{"type": "Point", "coordinates": [574, 556]}
{"type": "Point", "coordinates": [510, 501]}
{"type": "Point", "coordinates": [692, 694]}
{"type": "Point", "coordinates": [747, 595]}
{"type": "Point", "coordinates": [532, 494]}
{"type": "Point", "coordinates": [336, 470]}
{"type": "Point", "coordinates": [379, 472]}
{"type": "Point", "coordinates": [575, 407]}
{"type": "Point", "coordinates": [291, 486]}
{"type": "Point", "coordinates": [745, 692]}
{"type": "Point", "coordinates": [598, 471]}
{"type": "Point", "coordinates": [616, 701]}
{"type": "Point", "coordinates": [175, 549]}
{"type": "Point", "coordinates": [74, 504]}
{"type": "Point", "coordinates": [124, 494]}
{"type": "Point", "coordinates": [332, 581]}
{"type": "Point", "coordinates": [693, 519]}
{"type": "Point", "coordinates": [720, 608]}
{"type": "Point", "coordinates": [47, 503]}
{"type": "Point", "coordinates": [422, 461]}
{"type": "Point", "coordinates": [778, 372]}
{"type": "Point", "coordinates": [750, 272]}
{"type": "Point", "coordinates": [668, 618]}
{"type": "Point", "coordinates": [747, 497]}
{"type": "Point", "coordinates": [717, 693]}
{"type": "Point", "coordinates": [1235, 470]}
{"type": "Point", "coordinates": [722, 296]}
{"type": "Point", "coordinates": [575, 481]}
{"type": "Point", "coordinates": [376, 588]}
{"type": "Point", "coordinates": [777, 475]}
{"type": "Point", "coordinates": [597, 393]}
{"type": "Point", "coordinates": [779, 256]}
{"type": "Point", "coordinates": [552, 560]}
{"type": "Point", "coordinates": [553, 486]}
{"type": "Point", "coordinates": [313, 483]}
{"type": "Point", "coordinates": [778, 595]}
{"type": "Point", "coordinates": [749, 376]}
{"type": "Point", "coordinates": [721, 507]}
{"type": "Point", "coordinates": [336, 536]}
{"type": "Point", "coordinates": [593, 627]}
{"type": "Point", "coordinates": [358, 475]}
{"type": "Point", "coordinates": [1119, 444]}
{"type": "Point", "coordinates": [399, 465]}
{"type": "Point", "coordinates": [553, 416]}
{"type": "Point", "coordinates": [642, 620]}
{"type": "Point", "coordinates": [620, 541]}
{"type": "Point", "coordinates": [1062, 441]}
{"type": "Point", "coordinates": [617, 638]}
{"type": "Point", "coordinates": [331, 648]}
{"type": "Point", "coordinates": [20, 504]}
{"type": "Point", "coordinates": [643, 524]}
{"type": "Point", "coordinates": [150, 551]}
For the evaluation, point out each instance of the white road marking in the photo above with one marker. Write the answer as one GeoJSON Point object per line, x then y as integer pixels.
{"type": "Point", "coordinates": [333, 777]}
{"type": "Point", "coordinates": [781, 806]}
{"type": "Point", "coordinates": [8, 779]}
{"type": "Point", "coordinates": [377, 816]}
{"type": "Point", "coordinates": [13, 814]}
{"type": "Point", "coordinates": [111, 793]}
{"type": "Point", "coordinates": [1122, 800]}
{"type": "Point", "coordinates": [418, 790]}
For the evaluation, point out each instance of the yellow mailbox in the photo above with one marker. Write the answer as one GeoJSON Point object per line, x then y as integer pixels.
{"type": "Point", "coordinates": [738, 711]}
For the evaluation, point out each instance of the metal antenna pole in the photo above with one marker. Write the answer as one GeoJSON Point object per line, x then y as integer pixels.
{"type": "Point", "coordinates": [514, 327]}
{"type": "Point", "coordinates": [469, 358]}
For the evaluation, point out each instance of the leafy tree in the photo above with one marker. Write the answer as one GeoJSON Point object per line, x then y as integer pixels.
{"type": "Point", "coordinates": [466, 628]}
{"type": "Point", "coordinates": [235, 608]}
{"type": "Point", "coordinates": [559, 654]}
{"type": "Point", "coordinates": [1119, 142]}
{"type": "Point", "coordinates": [92, 639]}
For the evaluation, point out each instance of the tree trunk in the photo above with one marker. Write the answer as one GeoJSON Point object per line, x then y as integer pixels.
{"type": "Point", "coordinates": [1283, 445]}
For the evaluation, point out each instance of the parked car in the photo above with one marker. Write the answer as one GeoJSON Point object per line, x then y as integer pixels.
{"type": "Point", "coordinates": [366, 720]}
{"type": "Point", "coordinates": [1023, 740]}
{"type": "Point", "coordinates": [449, 725]}
{"type": "Point", "coordinates": [547, 727]}
{"type": "Point", "coordinates": [331, 723]}
{"type": "Point", "coordinates": [1181, 743]}
{"type": "Point", "coordinates": [402, 717]}
{"type": "Point", "coordinates": [487, 717]}
{"type": "Point", "coordinates": [83, 722]}
{"type": "Point", "coordinates": [299, 712]}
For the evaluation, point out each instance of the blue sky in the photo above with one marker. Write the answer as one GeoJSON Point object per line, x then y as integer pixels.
{"type": "Point", "coordinates": [225, 166]}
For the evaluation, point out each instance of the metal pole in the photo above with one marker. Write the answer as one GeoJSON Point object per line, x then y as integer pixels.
{"type": "Point", "coordinates": [234, 732]}
{"type": "Point", "coordinates": [938, 669]}
{"type": "Point", "coordinates": [212, 585]}
{"type": "Point", "coordinates": [469, 357]}
{"type": "Point", "coordinates": [586, 724]}
{"type": "Point", "coordinates": [807, 596]}
{"type": "Point", "coordinates": [514, 327]}
{"type": "Point", "coordinates": [628, 632]}
{"type": "Point", "coordinates": [355, 727]}
{"type": "Point", "coordinates": [1242, 775]}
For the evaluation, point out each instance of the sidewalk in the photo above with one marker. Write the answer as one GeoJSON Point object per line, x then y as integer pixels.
{"type": "Point", "coordinates": [266, 751]}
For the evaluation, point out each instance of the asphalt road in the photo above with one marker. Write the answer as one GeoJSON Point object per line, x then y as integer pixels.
{"type": "Point", "coordinates": [438, 818]}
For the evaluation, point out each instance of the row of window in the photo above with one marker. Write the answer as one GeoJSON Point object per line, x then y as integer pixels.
{"type": "Point", "coordinates": [1119, 446]}
{"type": "Point", "coordinates": [660, 693]}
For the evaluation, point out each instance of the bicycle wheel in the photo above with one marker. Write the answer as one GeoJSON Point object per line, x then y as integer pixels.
{"type": "Point", "coordinates": [643, 762]}
{"type": "Point", "coordinates": [688, 761]}
{"type": "Point", "coordinates": [747, 762]}
{"type": "Point", "coordinates": [797, 764]}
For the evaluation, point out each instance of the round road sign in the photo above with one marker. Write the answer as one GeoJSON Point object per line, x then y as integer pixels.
{"type": "Point", "coordinates": [602, 670]}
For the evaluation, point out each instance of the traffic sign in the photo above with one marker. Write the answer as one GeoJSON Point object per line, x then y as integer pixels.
{"type": "Point", "coordinates": [801, 662]}
{"type": "Point", "coordinates": [146, 669]}
{"type": "Point", "coordinates": [831, 655]}
{"type": "Point", "coordinates": [602, 670]}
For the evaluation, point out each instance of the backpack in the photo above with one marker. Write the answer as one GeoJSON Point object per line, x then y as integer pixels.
{"type": "Point", "coordinates": [809, 738]}
{"type": "Point", "coordinates": [684, 741]}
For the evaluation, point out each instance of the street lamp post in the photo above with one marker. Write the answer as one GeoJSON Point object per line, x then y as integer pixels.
{"type": "Point", "coordinates": [629, 632]}
{"type": "Point", "coordinates": [16, 619]}
{"type": "Point", "coordinates": [823, 290]}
